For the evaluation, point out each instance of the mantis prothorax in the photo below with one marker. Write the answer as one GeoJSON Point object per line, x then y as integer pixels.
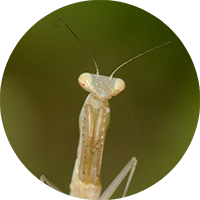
{"type": "Point", "coordinates": [93, 123]}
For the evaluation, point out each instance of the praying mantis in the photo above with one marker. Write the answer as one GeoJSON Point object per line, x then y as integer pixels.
{"type": "Point", "coordinates": [94, 120]}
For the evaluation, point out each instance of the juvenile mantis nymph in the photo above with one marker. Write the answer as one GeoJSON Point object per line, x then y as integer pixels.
{"type": "Point", "coordinates": [93, 123]}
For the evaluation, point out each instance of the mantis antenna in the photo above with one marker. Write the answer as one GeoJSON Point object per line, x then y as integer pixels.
{"type": "Point", "coordinates": [137, 57]}
{"type": "Point", "coordinates": [97, 69]}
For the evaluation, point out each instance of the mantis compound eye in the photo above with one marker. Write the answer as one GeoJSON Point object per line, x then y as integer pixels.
{"type": "Point", "coordinates": [85, 81]}
{"type": "Point", "coordinates": [119, 86]}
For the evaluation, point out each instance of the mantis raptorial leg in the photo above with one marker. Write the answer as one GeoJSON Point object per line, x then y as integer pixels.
{"type": "Point", "coordinates": [93, 123]}
{"type": "Point", "coordinates": [48, 191]}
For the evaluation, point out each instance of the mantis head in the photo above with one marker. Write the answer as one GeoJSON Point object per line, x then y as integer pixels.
{"type": "Point", "coordinates": [101, 87]}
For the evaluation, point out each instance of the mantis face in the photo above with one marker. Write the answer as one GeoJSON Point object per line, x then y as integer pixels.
{"type": "Point", "coordinates": [101, 87]}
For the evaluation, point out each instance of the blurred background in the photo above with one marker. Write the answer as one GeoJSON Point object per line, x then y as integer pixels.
{"type": "Point", "coordinates": [153, 119]}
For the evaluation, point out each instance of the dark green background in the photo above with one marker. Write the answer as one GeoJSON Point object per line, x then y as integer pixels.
{"type": "Point", "coordinates": [154, 119]}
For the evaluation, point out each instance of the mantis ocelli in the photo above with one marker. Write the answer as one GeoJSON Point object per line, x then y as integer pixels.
{"type": "Point", "coordinates": [94, 119]}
